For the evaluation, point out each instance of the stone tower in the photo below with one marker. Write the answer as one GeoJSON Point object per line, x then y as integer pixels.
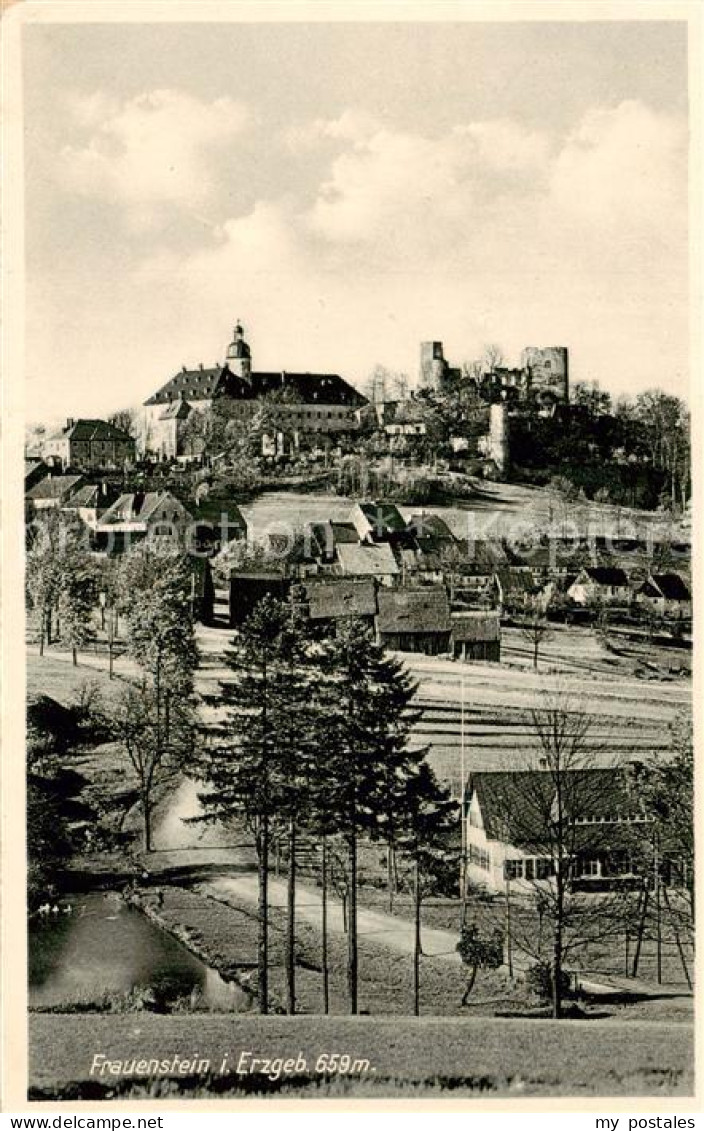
{"type": "Point", "coordinates": [238, 357]}
{"type": "Point", "coordinates": [498, 447]}
{"type": "Point", "coordinates": [548, 370]}
{"type": "Point", "coordinates": [433, 366]}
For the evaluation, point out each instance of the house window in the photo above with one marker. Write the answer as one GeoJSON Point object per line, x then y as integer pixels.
{"type": "Point", "coordinates": [480, 857]}
{"type": "Point", "coordinates": [544, 869]}
{"type": "Point", "coordinates": [513, 869]}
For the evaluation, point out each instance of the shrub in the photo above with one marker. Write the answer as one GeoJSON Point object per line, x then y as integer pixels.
{"type": "Point", "coordinates": [539, 981]}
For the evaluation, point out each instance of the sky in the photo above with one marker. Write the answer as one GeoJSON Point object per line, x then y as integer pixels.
{"type": "Point", "coordinates": [348, 190]}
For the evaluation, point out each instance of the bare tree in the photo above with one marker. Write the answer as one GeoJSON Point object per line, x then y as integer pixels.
{"type": "Point", "coordinates": [534, 628]}
{"type": "Point", "coordinates": [570, 818]}
{"type": "Point", "coordinates": [493, 356]}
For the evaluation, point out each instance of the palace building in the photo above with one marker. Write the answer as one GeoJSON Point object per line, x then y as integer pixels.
{"type": "Point", "coordinates": [321, 403]}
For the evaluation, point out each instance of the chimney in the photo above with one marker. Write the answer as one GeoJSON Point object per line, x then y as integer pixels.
{"type": "Point", "coordinates": [70, 421]}
{"type": "Point", "coordinates": [183, 369]}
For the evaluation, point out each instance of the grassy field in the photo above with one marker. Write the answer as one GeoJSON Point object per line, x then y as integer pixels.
{"type": "Point", "coordinates": [476, 1057]}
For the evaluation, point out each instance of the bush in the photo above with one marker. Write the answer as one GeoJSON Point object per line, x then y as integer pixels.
{"type": "Point", "coordinates": [539, 981]}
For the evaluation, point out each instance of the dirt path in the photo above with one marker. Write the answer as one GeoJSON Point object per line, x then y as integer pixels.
{"type": "Point", "coordinates": [386, 929]}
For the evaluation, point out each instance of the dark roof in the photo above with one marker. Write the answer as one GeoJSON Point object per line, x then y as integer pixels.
{"type": "Point", "coordinates": [431, 525]}
{"type": "Point", "coordinates": [516, 580]}
{"type": "Point", "coordinates": [92, 430]}
{"type": "Point", "coordinates": [607, 575]}
{"type": "Point", "coordinates": [191, 384]}
{"type": "Point", "coordinates": [32, 465]}
{"type": "Point", "coordinates": [516, 803]}
{"type": "Point", "coordinates": [475, 626]}
{"type": "Point", "coordinates": [340, 598]}
{"type": "Point", "coordinates": [383, 517]}
{"type": "Point", "coordinates": [87, 496]}
{"type": "Point", "coordinates": [413, 610]}
{"type": "Point", "coordinates": [177, 410]}
{"type": "Point", "coordinates": [54, 487]}
{"type": "Point", "coordinates": [308, 388]}
{"type": "Point", "coordinates": [671, 586]}
{"type": "Point", "coordinates": [484, 554]}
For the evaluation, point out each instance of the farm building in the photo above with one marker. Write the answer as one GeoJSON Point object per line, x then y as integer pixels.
{"type": "Point", "coordinates": [340, 598]}
{"type": "Point", "coordinates": [665, 594]}
{"type": "Point", "coordinates": [34, 470]}
{"type": "Point", "coordinates": [414, 620]}
{"type": "Point", "coordinates": [248, 588]}
{"type": "Point", "coordinates": [476, 635]}
{"type": "Point", "coordinates": [371, 560]}
{"type": "Point", "coordinates": [508, 826]}
{"type": "Point", "coordinates": [605, 584]}
{"type": "Point", "coordinates": [53, 491]}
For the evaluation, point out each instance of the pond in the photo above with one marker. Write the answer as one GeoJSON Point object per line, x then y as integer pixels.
{"type": "Point", "coordinates": [106, 946]}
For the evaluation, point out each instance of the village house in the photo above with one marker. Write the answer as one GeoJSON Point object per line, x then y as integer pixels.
{"type": "Point", "coordinates": [507, 841]}
{"type": "Point", "coordinates": [53, 492]}
{"type": "Point", "coordinates": [368, 560]}
{"type": "Point", "coordinates": [328, 602]}
{"type": "Point", "coordinates": [88, 502]}
{"type": "Point", "coordinates": [34, 470]}
{"type": "Point", "coordinates": [607, 585]}
{"type": "Point", "coordinates": [155, 516]}
{"type": "Point", "coordinates": [665, 594]}
{"type": "Point", "coordinates": [414, 620]}
{"type": "Point", "coordinates": [89, 444]}
{"type": "Point", "coordinates": [476, 635]}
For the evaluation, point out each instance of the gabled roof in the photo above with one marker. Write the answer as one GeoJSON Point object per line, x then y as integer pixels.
{"type": "Point", "coordinates": [92, 430]}
{"type": "Point", "coordinates": [670, 586]}
{"type": "Point", "coordinates": [340, 598]}
{"type": "Point", "coordinates": [475, 626]}
{"type": "Point", "coordinates": [191, 384]}
{"type": "Point", "coordinates": [138, 507]}
{"type": "Point", "coordinates": [32, 465]}
{"type": "Point", "coordinates": [515, 804]}
{"type": "Point", "coordinates": [431, 525]}
{"type": "Point", "coordinates": [383, 517]}
{"type": "Point", "coordinates": [606, 575]}
{"type": "Point", "coordinates": [516, 580]}
{"type": "Point", "coordinates": [309, 388]}
{"type": "Point", "coordinates": [54, 487]}
{"type": "Point", "coordinates": [413, 610]}
{"type": "Point", "coordinates": [87, 496]}
{"type": "Point", "coordinates": [375, 560]}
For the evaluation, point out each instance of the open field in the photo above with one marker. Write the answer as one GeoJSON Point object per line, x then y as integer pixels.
{"type": "Point", "coordinates": [497, 510]}
{"type": "Point", "coordinates": [473, 1057]}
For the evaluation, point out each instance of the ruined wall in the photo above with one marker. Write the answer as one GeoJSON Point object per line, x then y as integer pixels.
{"type": "Point", "coordinates": [548, 369]}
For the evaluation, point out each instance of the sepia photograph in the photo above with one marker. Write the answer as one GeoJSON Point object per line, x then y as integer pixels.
{"type": "Point", "coordinates": [357, 552]}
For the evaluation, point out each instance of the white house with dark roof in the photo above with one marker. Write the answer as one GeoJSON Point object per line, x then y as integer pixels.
{"type": "Point", "coordinates": [508, 816]}
{"type": "Point", "coordinates": [606, 584]}
{"type": "Point", "coordinates": [53, 492]}
{"type": "Point", "coordinates": [666, 594]}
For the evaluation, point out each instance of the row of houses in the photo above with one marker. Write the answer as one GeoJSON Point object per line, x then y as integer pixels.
{"type": "Point", "coordinates": [403, 619]}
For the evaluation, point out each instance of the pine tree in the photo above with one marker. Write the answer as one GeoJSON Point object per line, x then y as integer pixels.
{"type": "Point", "coordinates": [369, 723]}
{"type": "Point", "coordinates": [245, 767]}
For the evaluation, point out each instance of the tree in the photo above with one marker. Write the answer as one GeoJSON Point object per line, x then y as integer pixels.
{"type": "Point", "coordinates": [157, 749]}
{"type": "Point", "coordinates": [57, 557]}
{"type": "Point", "coordinates": [77, 597]}
{"type": "Point", "coordinates": [547, 812]}
{"type": "Point", "coordinates": [126, 420]}
{"type": "Point", "coordinates": [493, 356]}
{"type": "Point", "coordinates": [369, 724]}
{"type": "Point", "coordinates": [479, 950]}
{"type": "Point", "coordinates": [245, 766]}
{"type": "Point", "coordinates": [429, 820]}
{"type": "Point", "coordinates": [534, 628]}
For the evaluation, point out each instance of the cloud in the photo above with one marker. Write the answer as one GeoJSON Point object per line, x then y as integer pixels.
{"type": "Point", "coordinates": [624, 167]}
{"type": "Point", "coordinates": [157, 150]}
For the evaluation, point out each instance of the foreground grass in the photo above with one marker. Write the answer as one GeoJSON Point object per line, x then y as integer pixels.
{"type": "Point", "coordinates": [464, 1057]}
